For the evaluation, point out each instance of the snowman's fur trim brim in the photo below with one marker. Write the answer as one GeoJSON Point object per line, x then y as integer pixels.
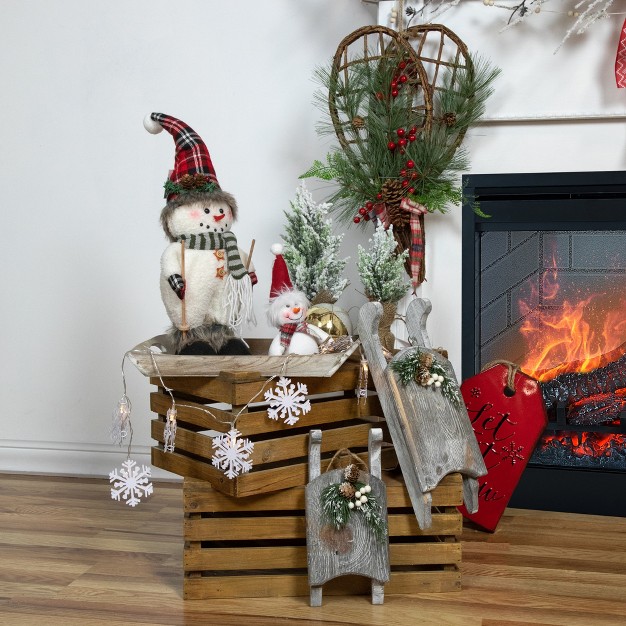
{"type": "Point", "coordinates": [293, 297]}
{"type": "Point", "coordinates": [191, 197]}
{"type": "Point", "coordinates": [216, 335]}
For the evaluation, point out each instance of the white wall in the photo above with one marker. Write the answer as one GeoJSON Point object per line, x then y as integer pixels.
{"type": "Point", "coordinates": [82, 180]}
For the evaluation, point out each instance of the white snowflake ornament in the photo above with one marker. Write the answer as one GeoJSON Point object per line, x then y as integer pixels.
{"type": "Point", "coordinates": [130, 483]}
{"type": "Point", "coordinates": [287, 401]}
{"type": "Point", "coordinates": [232, 454]}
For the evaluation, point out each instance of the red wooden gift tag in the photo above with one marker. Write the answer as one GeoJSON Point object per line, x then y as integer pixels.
{"type": "Point", "coordinates": [507, 425]}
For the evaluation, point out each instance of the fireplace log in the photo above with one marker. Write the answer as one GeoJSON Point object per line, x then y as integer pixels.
{"type": "Point", "coordinates": [574, 386]}
{"type": "Point", "coordinates": [598, 409]}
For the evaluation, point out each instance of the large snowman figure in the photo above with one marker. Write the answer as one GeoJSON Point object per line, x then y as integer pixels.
{"type": "Point", "coordinates": [206, 285]}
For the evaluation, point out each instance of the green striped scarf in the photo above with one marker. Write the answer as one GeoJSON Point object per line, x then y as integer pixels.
{"type": "Point", "coordinates": [219, 241]}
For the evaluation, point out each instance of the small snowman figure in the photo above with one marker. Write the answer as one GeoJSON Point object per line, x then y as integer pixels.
{"type": "Point", "coordinates": [206, 284]}
{"type": "Point", "coordinates": [287, 311]}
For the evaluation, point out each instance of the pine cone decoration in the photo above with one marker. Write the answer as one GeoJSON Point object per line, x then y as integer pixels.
{"type": "Point", "coordinates": [347, 490]}
{"type": "Point", "coordinates": [422, 376]}
{"type": "Point", "coordinates": [187, 181]}
{"type": "Point", "coordinates": [358, 122]}
{"type": "Point", "coordinates": [392, 193]}
{"type": "Point", "coordinates": [351, 473]}
{"type": "Point", "coordinates": [426, 360]}
{"type": "Point", "coordinates": [449, 119]}
{"type": "Point", "coordinates": [200, 180]}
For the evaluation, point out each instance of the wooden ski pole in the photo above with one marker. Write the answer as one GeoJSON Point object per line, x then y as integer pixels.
{"type": "Point", "coordinates": [250, 254]}
{"type": "Point", "coordinates": [183, 325]}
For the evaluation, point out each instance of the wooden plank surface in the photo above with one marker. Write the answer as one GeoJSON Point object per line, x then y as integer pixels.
{"type": "Point", "coordinates": [240, 392]}
{"type": "Point", "coordinates": [255, 421]}
{"type": "Point", "coordinates": [199, 496]}
{"type": "Point", "coordinates": [70, 556]}
{"type": "Point", "coordinates": [298, 585]}
{"type": "Point", "coordinates": [252, 483]}
{"type": "Point", "coordinates": [166, 363]}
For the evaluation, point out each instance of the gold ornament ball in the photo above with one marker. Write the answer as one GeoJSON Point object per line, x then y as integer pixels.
{"type": "Point", "coordinates": [327, 320]}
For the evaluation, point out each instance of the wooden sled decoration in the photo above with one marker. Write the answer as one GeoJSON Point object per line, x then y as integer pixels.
{"type": "Point", "coordinates": [354, 549]}
{"type": "Point", "coordinates": [432, 437]}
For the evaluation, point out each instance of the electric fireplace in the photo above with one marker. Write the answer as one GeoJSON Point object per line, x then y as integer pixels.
{"type": "Point", "coordinates": [544, 286]}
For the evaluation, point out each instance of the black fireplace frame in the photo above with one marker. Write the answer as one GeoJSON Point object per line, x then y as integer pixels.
{"type": "Point", "coordinates": [539, 201]}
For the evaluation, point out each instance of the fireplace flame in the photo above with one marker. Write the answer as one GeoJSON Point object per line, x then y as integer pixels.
{"type": "Point", "coordinates": [570, 336]}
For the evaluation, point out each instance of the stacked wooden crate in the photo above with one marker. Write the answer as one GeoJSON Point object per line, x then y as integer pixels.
{"type": "Point", "coordinates": [256, 546]}
{"type": "Point", "coordinates": [246, 536]}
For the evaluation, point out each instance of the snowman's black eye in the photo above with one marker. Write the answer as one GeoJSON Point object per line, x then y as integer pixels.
{"type": "Point", "coordinates": [207, 211]}
{"type": "Point", "coordinates": [221, 210]}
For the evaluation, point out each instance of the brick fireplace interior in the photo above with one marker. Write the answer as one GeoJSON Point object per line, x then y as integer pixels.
{"type": "Point", "coordinates": [544, 286]}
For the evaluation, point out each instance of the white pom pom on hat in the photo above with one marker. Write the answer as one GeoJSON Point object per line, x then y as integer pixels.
{"type": "Point", "coordinates": [280, 274]}
{"type": "Point", "coordinates": [152, 126]}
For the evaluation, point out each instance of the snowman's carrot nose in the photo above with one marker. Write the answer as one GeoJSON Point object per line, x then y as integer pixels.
{"type": "Point", "coordinates": [296, 309]}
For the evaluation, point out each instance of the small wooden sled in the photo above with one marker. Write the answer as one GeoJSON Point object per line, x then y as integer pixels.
{"type": "Point", "coordinates": [432, 437]}
{"type": "Point", "coordinates": [353, 550]}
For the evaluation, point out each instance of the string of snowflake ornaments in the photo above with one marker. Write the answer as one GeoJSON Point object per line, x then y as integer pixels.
{"type": "Point", "coordinates": [131, 482]}
{"type": "Point", "coordinates": [232, 453]}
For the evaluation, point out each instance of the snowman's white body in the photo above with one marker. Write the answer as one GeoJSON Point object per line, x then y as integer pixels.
{"type": "Point", "coordinates": [301, 343]}
{"type": "Point", "coordinates": [290, 307]}
{"type": "Point", "coordinates": [205, 278]}
{"type": "Point", "coordinates": [205, 273]}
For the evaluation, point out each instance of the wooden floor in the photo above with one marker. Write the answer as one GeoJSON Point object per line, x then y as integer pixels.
{"type": "Point", "coordinates": [69, 555]}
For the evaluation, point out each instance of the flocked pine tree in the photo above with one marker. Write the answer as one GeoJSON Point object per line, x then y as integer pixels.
{"type": "Point", "coordinates": [311, 249]}
{"type": "Point", "coordinates": [381, 270]}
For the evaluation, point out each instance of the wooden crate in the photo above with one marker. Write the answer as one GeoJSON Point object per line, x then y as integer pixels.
{"type": "Point", "coordinates": [256, 546]}
{"type": "Point", "coordinates": [280, 457]}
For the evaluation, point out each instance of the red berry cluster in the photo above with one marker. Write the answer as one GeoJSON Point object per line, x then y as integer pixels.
{"type": "Point", "coordinates": [364, 212]}
{"type": "Point", "coordinates": [404, 136]}
{"type": "Point", "coordinates": [399, 79]}
{"type": "Point", "coordinates": [408, 175]}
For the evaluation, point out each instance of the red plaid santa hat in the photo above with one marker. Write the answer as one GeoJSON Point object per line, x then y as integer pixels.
{"type": "Point", "coordinates": [280, 274]}
{"type": "Point", "coordinates": [193, 169]}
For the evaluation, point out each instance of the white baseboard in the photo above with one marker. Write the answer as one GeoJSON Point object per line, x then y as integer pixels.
{"type": "Point", "coordinates": [71, 459]}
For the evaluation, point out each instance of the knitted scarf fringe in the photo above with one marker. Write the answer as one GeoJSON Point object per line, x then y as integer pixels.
{"type": "Point", "coordinates": [238, 304]}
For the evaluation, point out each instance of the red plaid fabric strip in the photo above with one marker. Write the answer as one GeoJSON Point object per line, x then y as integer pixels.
{"type": "Point", "coordinates": [379, 211]}
{"type": "Point", "coordinates": [192, 155]}
{"type": "Point", "coordinates": [620, 59]}
{"type": "Point", "coordinates": [416, 253]}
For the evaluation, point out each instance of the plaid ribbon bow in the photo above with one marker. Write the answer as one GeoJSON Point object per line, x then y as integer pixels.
{"type": "Point", "coordinates": [416, 252]}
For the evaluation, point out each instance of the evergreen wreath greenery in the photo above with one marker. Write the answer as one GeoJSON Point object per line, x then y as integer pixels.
{"type": "Point", "coordinates": [311, 249]}
{"type": "Point", "coordinates": [197, 185]}
{"type": "Point", "coordinates": [381, 268]}
{"type": "Point", "coordinates": [340, 500]}
{"type": "Point", "coordinates": [366, 164]}
{"type": "Point", "coordinates": [422, 368]}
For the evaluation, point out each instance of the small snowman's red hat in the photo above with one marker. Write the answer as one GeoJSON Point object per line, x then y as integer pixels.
{"type": "Point", "coordinates": [280, 274]}
{"type": "Point", "coordinates": [193, 169]}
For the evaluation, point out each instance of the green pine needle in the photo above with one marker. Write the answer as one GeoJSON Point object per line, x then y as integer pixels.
{"type": "Point", "coordinates": [407, 366]}
{"type": "Point", "coordinates": [363, 162]}
{"type": "Point", "coordinates": [337, 512]}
